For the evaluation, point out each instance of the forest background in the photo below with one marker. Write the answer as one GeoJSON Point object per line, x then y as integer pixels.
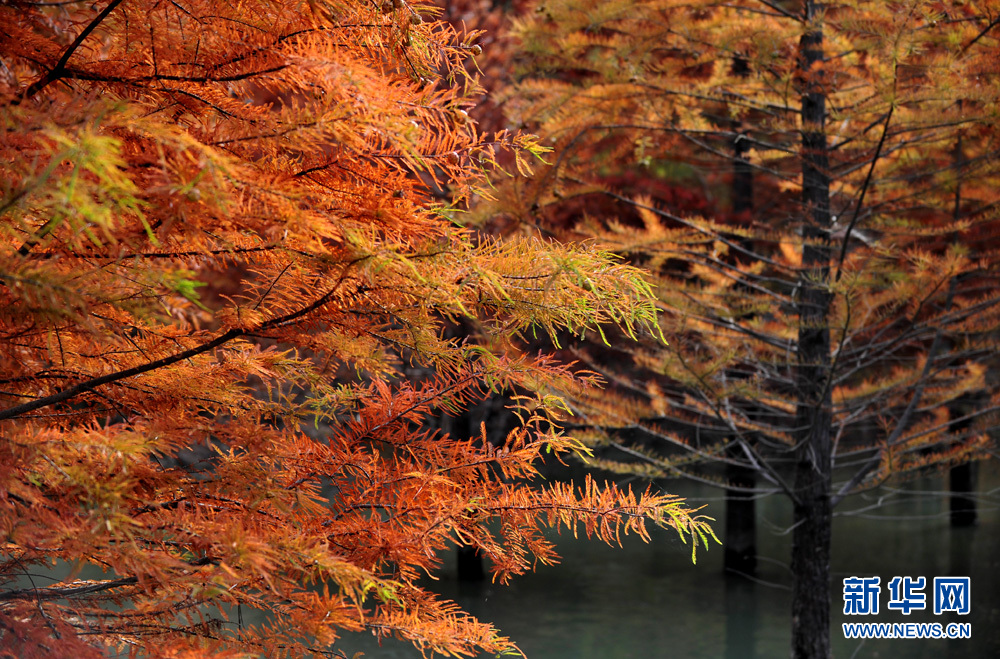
{"type": "Point", "coordinates": [228, 225]}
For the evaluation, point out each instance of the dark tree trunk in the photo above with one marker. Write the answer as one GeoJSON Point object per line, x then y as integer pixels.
{"type": "Point", "coordinates": [961, 478]}
{"type": "Point", "coordinates": [741, 507]}
{"type": "Point", "coordinates": [470, 564]}
{"type": "Point", "coordinates": [742, 186]}
{"type": "Point", "coordinates": [961, 481]}
{"type": "Point", "coordinates": [811, 565]}
{"type": "Point", "coordinates": [741, 522]}
{"type": "Point", "coordinates": [812, 506]}
{"type": "Point", "coordinates": [498, 421]}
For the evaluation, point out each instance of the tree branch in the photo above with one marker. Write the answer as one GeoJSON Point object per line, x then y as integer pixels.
{"type": "Point", "coordinates": [861, 197]}
{"type": "Point", "coordinates": [53, 593]}
{"type": "Point", "coordinates": [56, 72]}
{"type": "Point", "coordinates": [993, 24]}
{"type": "Point", "coordinates": [82, 387]}
{"type": "Point", "coordinates": [904, 420]}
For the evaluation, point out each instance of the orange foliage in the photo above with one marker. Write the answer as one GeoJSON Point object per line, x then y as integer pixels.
{"type": "Point", "coordinates": [710, 97]}
{"type": "Point", "coordinates": [228, 231]}
{"type": "Point", "coordinates": [838, 323]}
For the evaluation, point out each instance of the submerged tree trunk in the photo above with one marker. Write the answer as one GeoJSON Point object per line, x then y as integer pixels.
{"type": "Point", "coordinates": [962, 477]}
{"type": "Point", "coordinates": [470, 564]}
{"type": "Point", "coordinates": [741, 506]}
{"type": "Point", "coordinates": [741, 521]}
{"type": "Point", "coordinates": [812, 506]}
{"type": "Point", "coordinates": [468, 560]}
{"type": "Point", "coordinates": [961, 482]}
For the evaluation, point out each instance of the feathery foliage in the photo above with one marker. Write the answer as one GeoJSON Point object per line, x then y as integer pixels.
{"type": "Point", "coordinates": [230, 228]}
{"type": "Point", "coordinates": [827, 273]}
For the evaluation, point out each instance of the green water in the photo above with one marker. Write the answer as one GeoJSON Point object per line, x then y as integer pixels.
{"type": "Point", "coordinates": [650, 601]}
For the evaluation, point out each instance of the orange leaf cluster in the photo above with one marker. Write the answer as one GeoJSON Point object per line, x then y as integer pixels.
{"type": "Point", "coordinates": [229, 250]}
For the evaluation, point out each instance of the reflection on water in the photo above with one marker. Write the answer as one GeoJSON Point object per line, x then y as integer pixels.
{"type": "Point", "coordinates": [650, 601]}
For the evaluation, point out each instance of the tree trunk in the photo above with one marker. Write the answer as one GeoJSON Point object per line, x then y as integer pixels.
{"type": "Point", "coordinates": [468, 560]}
{"type": "Point", "coordinates": [961, 478]}
{"type": "Point", "coordinates": [741, 521]}
{"type": "Point", "coordinates": [812, 506]}
{"type": "Point", "coordinates": [961, 481]}
{"type": "Point", "coordinates": [741, 507]}
{"type": "Point", "coordinates": [470, 564]}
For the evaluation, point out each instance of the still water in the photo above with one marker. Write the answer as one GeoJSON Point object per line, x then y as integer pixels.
{"type": "Point", "coordinates": [648, 601]}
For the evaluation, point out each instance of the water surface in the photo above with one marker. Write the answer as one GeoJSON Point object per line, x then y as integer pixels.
{"type": "Point", "coordinates": [644, 601]}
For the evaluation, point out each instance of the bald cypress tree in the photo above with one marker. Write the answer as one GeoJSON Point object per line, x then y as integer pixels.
{"type": "Point", "coordinates": [826, 338]}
